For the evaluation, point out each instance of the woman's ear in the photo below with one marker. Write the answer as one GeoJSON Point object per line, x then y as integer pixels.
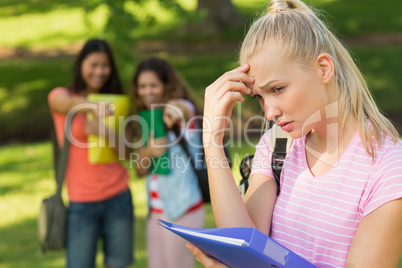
{"type": "Point", "coordinates": [325, 67]}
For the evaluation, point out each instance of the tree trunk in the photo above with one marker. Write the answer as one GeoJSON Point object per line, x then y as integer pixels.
{"type": "Point", "coordinates": [221, 15]}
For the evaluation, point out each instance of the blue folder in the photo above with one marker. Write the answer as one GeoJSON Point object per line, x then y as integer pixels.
{"type": "Point", "coordinates": [240, 247]}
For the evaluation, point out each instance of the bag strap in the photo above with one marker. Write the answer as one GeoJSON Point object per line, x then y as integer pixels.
{"type": "Point", "coordinates": [183, 144]}
{"type": "Point", "coordinates": [280, 143]}
{"type": "Point", "coordinates": [62, 161]}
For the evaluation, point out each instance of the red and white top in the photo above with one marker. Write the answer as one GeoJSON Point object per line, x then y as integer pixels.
{"type": "Point", "coordinates": [317, 217]}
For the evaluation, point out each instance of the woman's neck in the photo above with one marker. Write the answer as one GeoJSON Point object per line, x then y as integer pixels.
{"type": "Point", "coordinates": [325, 145]}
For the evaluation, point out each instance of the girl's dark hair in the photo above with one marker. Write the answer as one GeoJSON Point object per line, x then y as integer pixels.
{"type": "Point", "coordinates": [113, 84]}
{"type": "Point", "coordinates": [174, 86]}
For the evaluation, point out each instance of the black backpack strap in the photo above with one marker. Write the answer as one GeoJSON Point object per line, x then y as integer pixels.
{"type": "Point", "coordinates": [245, 171]}
{"type": "Point", "coordinates": [63, 157]}
{"type": "Point", "coordinates": [278, 158]}
{"type": "Point", "coordinates": [183, 144]}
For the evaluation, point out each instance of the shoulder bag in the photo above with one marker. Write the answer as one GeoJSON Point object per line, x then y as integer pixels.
{"type": "Point", "coordinates": [53, 213]}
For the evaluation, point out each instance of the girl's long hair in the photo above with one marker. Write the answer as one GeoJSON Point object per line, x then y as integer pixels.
{"type": "Point", "coordinates": [112, 85]}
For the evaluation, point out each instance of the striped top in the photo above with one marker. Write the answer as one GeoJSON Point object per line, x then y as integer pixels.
{"type": "Point", "coordinates": [155, 202]}
{"type": "Point", "coordinates": [317, 217]}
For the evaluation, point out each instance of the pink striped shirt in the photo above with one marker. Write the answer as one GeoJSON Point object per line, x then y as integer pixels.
{"type": "Point", "coordinates": [317, 217]}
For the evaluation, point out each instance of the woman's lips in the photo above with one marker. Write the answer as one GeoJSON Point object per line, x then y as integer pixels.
{"type": "Point", "coordinates": [286, 126]}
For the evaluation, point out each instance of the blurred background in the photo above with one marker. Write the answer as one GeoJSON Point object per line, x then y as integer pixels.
{"type": "Point", "coordinates": [201, 38]}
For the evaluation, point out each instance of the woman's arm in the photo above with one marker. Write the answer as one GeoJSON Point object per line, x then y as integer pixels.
{"type": "Point", "coordinates": [63, 102]}
{"type": "Point", "coordinates": [260, 200]}
{"type": "Point", "coordinates": [154, 148]}
{"type": "Point", "coordinates": [228, 206]}
{"type": "Point", "coordinates": [230, 210]}
{"type": "Point", "coordinates": [378, 239]}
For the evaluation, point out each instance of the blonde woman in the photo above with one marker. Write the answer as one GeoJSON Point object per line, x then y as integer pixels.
{"type": "Point", "coordinates": [340, 199]}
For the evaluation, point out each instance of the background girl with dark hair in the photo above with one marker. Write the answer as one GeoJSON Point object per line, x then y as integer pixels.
{"type": "Point", "coordinates": [100, 199]}
{"type": "Point", "coordinates": [175, 197]}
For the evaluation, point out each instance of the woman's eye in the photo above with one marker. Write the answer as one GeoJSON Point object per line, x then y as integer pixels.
{"type": "Point", "coordinates": [277, 89]}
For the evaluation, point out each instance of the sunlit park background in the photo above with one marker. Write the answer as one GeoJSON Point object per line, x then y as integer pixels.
{"type": "Point", "coordinates": [38, 42]}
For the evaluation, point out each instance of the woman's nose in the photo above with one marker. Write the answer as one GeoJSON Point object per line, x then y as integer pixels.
{"type": "Point", "coordinates": [99, 71]}
{"type": "Point", "coordinates": [272, 112]}
{"type": "Point", "coordinates": [148, 90]}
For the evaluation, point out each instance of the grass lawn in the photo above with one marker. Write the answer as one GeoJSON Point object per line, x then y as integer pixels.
{"type": "Point", "coordinates": [26, 177]}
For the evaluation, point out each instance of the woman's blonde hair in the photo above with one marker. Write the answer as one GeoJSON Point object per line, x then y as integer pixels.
{"type": "Point", "coordinates": [295, 28]}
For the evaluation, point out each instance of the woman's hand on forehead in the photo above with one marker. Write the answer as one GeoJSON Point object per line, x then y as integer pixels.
{"type": "Point", "coordinates": [236, 80]}
{"type": "Point", "coordinates": [221, 96]}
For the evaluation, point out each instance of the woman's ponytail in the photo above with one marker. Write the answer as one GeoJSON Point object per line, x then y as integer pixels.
{"type": "Point", "coordinates": [277, 6]}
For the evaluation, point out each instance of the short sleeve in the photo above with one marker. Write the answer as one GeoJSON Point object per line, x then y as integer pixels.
{"type": "Point", "coordinates": [386, 183]}
{"type": "Point", "coordinates": [58, 119]}
{"type": "Point", "coordinates": [262, 157]}
{"type": "Point", "coordinates": [51, 95]}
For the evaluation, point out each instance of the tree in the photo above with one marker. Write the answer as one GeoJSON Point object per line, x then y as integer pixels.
{"type": "Point", "coordinates": [121, 23]}
{"type": "Point", "coordinates": [220, 16]}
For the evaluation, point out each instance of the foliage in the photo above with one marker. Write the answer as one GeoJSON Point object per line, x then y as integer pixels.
{"type": "Point", "coordinates": [121, 23]}
{"type": "Point", "coordinates": [60, 23]}
{"type": "Point", "coordinates": [26, 83]}
{"type": "Point", "coordinates": [361, 17]}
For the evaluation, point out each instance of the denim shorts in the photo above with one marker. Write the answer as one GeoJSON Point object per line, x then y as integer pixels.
{"type": "Point", "coordinates": [112, 220]}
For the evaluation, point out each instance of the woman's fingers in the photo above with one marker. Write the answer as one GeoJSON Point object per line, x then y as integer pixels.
{"type": "Point", "coordinates": [204, 259]}
{"type": "Point", "coordinates": [95, 127]}
{"type": "Point", "coordinates": [104, 109]}
{"type": "Point", "coordinates": [157, 146]}
{"type": "Point", "coordinates": [238, 75]}
{"type": "Point", "coordinates": [160, 142]}
{"type": "Point", "coordinates": [220, 98]}
{"type": "Point", "coordinates": [230, 86]}
{"type": "Point", "coordinates": [233, 81]}
{"type": "Point", "coordinates": [172, 115]}
{"type": "Point", "coordinates": [229, 82]}
{"type": "Point", "coordinates": [224, 106]}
